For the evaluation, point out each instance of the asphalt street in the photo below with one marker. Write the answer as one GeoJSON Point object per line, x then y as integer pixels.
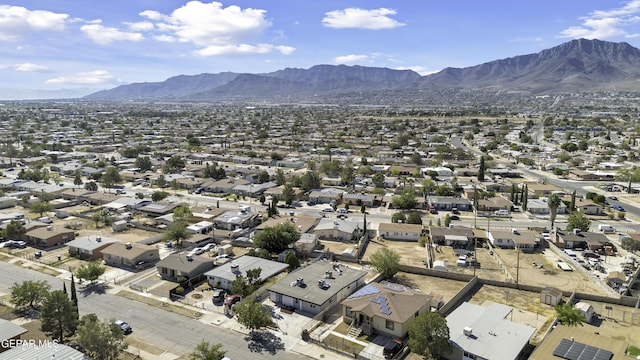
{"type": "Point", "coordinates": [173, 332]}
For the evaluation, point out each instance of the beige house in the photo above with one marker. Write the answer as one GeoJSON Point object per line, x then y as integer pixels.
{"type": "Point", "coordinates": [404, 232]}
{"type": "Point", "coordinates": [551, 296]}
{"type": "Point", "coordinates": [130, 255]}
{"type": "Point", "coordinates": [384, 308]}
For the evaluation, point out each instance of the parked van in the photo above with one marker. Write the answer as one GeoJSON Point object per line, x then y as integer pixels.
{"type": "Point", "coordinates": [501, 212]}
{"type": "Point", "coordinates": [606, 228]}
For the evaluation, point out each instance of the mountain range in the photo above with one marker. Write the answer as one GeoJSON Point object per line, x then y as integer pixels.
{"type": "Point", "coordinates": [574, 66]}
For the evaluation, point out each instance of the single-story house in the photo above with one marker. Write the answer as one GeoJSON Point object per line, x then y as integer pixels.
{"type": "Point", "coordinates": [484, 332]}
{"type": "Point", "coordinates": [8, 333]}
{"type": "Point", "coordinates": [522, 239]}
{"type": "Point", "coordinates": [130, 255]}
{"type": "Point", "coordinates": [447, 203]}
{"type": "Point", "coordinates": [588, 207]}
{"type": "Point", "coordinates": [565, 340]}
{"type": "Point", "coordinates": [202, 227]}
{"type": "Point", "coordinates": [179, 265]}
{"type": "Point", "coordinates": [48, 236]}
{"type": "Point", "coordinates": [455, 236]}
{"type": "Point", "coordinates": [398, 231]}
{"type": "Point", "coordinates": [232, 220]}
{"type": "Point", "coordinates": [307, 243]}
{"type": "Point", "coordinates": [384, 308]}
{"type": "Point", "coordinates": [90, 247]}
{"type": "Point", "coordinates": [224, 275]}
{"type": "Point", "coordinates": [338, 230]}
{"type": "Point", "coordinates": [45, 351]}
{"type": "Point", "coordinates": [316, 287]}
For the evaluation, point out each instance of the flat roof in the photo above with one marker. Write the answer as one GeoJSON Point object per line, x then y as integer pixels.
{"type": "Point", "coordinates": [239, 266]}
{"type": "Point", "coordinates": [313, 293]}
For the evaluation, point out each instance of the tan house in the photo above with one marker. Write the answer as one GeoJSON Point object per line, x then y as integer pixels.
{"type": "Point", "coordinates": [551, 296]}
{"type": "Point", "coordinates": [404, 232]}
{"type": "Point", "coordinates": [384, 308]}
{"type": "Point", "coordinates": [90, 247]}
{"type": "Point", "coordinates": [130, 255]}
{"type": "Point", "coordinates": [49, 236]}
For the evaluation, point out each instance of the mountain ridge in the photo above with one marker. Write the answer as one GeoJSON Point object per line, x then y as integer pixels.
{"type": "Point", "coordinates": [572, 66]}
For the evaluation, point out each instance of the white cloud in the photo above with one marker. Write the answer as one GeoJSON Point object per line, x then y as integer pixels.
{"type": "Point", "coordinates": [96, 77]}
{"type": "Point", "coordinates": [16, 21]}
{"type": "Point", "coordinates": [215, 29]}
{"type": "Point", "coordinates": [106, 35]}
{"type": "Point", "coordinates": [29, 67]}
{"type": "Point", "coordinates": [375, 19]}
{"type": "Point", "coordinates": [350, 59]}
{"type": "Point", "coordinates": [241, 49]}
{"type": "Point", "coordinates": [602, 24]}
{"type": "Point", "coordinates": [141, 26]}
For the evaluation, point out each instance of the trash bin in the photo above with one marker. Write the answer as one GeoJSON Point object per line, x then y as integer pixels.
{"type": "Point", "coordinates": [59, 257]}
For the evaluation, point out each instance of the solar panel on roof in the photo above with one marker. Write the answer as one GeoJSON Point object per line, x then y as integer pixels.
{"type": "Point", "coordinates": [573, 350]}
{"type": "Point", "coordinates": [364, 291]}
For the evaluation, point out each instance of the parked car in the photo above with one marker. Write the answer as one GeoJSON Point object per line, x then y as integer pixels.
{"type": "Point", "coordinates": [120, 192]}
{"type": "Point", "coordinates": [327, 209]}
{"type": "Point", "coordinates": [613, 198]}
{"type": "Point", "coordinates": [617, 207]}
{"type": "Point", "coordinates": [232, 299]}
{"type": "Point", "coordinates": [588, 254]}
{"type": "Point", "coordinates": [392, 348]}
{"type": "Point", "coordinates": [126, 328]}
{"type": "Point", "coordinates": [12, 244]}
{"type": "Point", "coordinates": [218, 296]}
{"type": "Point", "coordinates": [209, 246]}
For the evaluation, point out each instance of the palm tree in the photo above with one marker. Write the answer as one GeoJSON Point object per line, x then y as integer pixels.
{"type": "Point", "coordinates": [553, 203]}
{"type": "Point", "coordinates": [569, 315]}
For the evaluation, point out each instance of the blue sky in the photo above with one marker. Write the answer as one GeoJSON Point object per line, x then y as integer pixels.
{"type": "Point", "coordinates": [99, 44]}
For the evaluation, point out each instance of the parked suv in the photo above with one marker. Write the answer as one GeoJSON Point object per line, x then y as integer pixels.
{"type": "Point", "coordinates": [392, 348]}
{"type": "Point", "coordinates": [218, 296]}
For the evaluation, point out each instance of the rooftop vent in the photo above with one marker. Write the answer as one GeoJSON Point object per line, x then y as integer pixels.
{"type": "Point", "coordinates": [128, 245]}
{"type": "Point", "coordinates": [300, 282]}
{"type": "Point", "coordinates": [467, 331]}
{"type": "Point", "coordinates": [576, 231]}
{"type": "Point", "coordinates": [98, 239]}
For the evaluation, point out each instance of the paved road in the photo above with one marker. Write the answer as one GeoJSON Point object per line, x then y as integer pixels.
{"type": "Point", "coordinates": [176, 333]}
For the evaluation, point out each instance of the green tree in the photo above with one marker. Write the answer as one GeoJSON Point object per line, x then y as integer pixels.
{"type": "Point", "coordinates": [398, 217]}
{"type": "Point", "coordinates": [159, 196]}
{"type": "Point", "coordinates": [578, 220]}
{"type": "Point", "coordinates": [161, 181]}
{"type": "Point", "coordinates": [29, 293]}
{"type": "Point", "coordinates": [406, 201]}
{"type": "Point", "coordinates": [173, 165]}
{"type": "Point", "coordinates": [630, 244]}
{"type": "Point", "coordinates": [101, 340]}
{"type": "Point", "coordinates": [569, 315]}
{"type": "Point", "coordinates": [277, 238]}
{"type": "Point", "coordinates": [386, 262]}
{"type": "Point", "coordinates": [481, 170]}
{"type": "Point", "coordinates": [280, 178]}
{"type": "Point", "coordinates": [414, 218]}
{"type": "Point", "coordinates": [176, 232]}
{"type": "Point", "coordinates": [58, 316]}
{"type": "Point", "coordinates": [97, 217]}
{"type": "Point", "coordinates": [378, 180]}
{"type": "Point", "coordinates": [77, 178]}
{"type": "Point", "coordinates": [252, 315]}
{"type": "Point", "coordinates": [90, 271]}
{"type": "Point", "coordinates": [429, 335]}
{"type": "Point", "coordinates": [182, 213]}
{"type": "Point", "coordinates": [553, 203]}
{"type": "Point", "coordinates": [263, 177]}
{"type": "Point", "coordinates": [143, 163]}
{"type": "Point", "coordinates": [111, 177]}
{"type": "Point", "coordinates": [74, 295]}
{"type": "Point", "coordinates": [14, 230]}
{"type": "Point", "coordinates": [287, 194]}
{"type": "Point", "coordinates": [310, 180]}
{"type": "Point", "coordinates": [40, 207]}
{"type": "Point", "coordinates": [91, 186]}
{"type": "Point", "coordinates": [292, 260]}
{"type": "Point", "coordinates": [206, 351]}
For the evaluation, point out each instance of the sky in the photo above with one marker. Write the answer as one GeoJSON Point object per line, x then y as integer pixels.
{"type": "Point", "coordinates": [101, 44]}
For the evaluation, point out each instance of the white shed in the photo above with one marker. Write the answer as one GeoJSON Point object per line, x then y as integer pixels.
{"type": "Point", "coordinates": [585, 310]}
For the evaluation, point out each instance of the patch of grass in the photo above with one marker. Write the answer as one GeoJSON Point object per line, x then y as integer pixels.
{"type": "Point", "coordinates": [633, 351]}
{"type": "Point", "coordinates": [342, 328]}
{"type": "Point", "coordinates": [161, 304]}
{"type": "Point", "coordinates": [343, 344]}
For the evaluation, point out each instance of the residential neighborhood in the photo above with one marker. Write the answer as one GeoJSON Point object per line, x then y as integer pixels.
{"type": "Point", "coordinates": [345, 224]}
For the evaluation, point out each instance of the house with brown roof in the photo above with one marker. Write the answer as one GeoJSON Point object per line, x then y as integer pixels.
{"type": "Point", "coordinates": [179, 265]}
{"type": "Point", "coordinates": [455, 236]}
{"type": "Point", "coordinates": [385, 308]}
{"type": "Point", "coordinates": [48, 236]}
{"type": "Point", "coordinates": [514, 238]}
{"type": "Point", "coordinates": [130, 255]}
{"type": "Point", "coordinates": [579, 339]}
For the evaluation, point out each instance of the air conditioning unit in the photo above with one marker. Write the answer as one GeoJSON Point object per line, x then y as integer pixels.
{"type": "Point", "coordinates": [128, 245]}
{"type": "Point", "coordinates": [467, 331]}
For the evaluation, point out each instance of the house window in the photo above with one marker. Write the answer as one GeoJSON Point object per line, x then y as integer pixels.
{"type": "Point", "coordinates": [389, 324]}
{"type": "Point", "coordinates": [348, 312]}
